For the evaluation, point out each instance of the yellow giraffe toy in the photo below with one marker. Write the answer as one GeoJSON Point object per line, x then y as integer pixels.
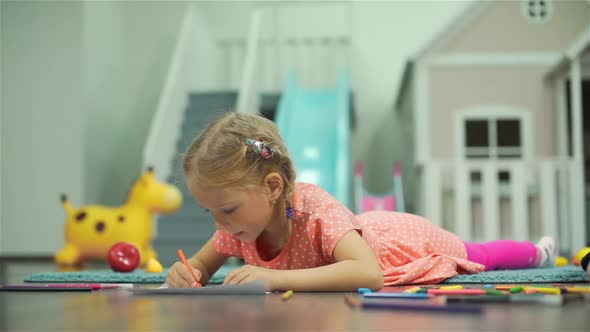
{"type": "Point", "coordinates": [91, 230]}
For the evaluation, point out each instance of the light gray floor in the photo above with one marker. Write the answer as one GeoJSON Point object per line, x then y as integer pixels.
{"type": "Point", "coordinates": [118, 310]}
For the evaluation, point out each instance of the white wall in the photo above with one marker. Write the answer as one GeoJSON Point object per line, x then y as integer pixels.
{"type": "Point", "coordinates": [107, 96]}
{"type": "Point", "coordinates": [227, 23]}
{"type": "Point", "coordinates": [79, 85]}
{"type": "Point", "coordinates": [128, 49]}
{"type": "Point", "coordinates": [41, 121]}
{"type": "Point", "coordinates": [385, 35]}
{"type": "Point", "coordinates": [206, 70]}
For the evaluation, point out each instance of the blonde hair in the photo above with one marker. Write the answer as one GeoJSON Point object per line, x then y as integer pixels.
{"type": "Point", "coordinates": [219, 156]}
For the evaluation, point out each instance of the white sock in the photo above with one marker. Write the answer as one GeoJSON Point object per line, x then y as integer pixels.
{"type": "Point", "coordinates": [548, 251]}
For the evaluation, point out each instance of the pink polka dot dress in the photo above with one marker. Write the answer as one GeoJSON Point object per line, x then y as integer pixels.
{"type": "Point", "coordinates": [409, 248]}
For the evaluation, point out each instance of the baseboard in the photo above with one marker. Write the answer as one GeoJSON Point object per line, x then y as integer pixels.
{"type": "Point", "coordinates": [26, 258]}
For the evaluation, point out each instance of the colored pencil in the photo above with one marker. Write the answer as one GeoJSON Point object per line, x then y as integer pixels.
{"type": "Point", "coordinates": [432, 305]}
{"type": "Point", "coordinates": [66, 285]}
{"type": "Point", "coordinates": [42, 288]}
{"type": "Point", "coordinates": [457, 291]}
{"type": "Point", "coordinates": [188, 266]}
{"type": "Point", "coordinates": [517, 298]}
{"type": "Point", "coordinates": [396, 295]}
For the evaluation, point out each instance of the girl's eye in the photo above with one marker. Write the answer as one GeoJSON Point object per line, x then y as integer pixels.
{"type": "Point", "coordinates": [229, 211]}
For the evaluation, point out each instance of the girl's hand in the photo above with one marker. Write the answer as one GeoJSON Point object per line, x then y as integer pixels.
{"type": "Point", "coordinates": [249, 273]}
{"type": "Point", "coordinates": [180, 276]}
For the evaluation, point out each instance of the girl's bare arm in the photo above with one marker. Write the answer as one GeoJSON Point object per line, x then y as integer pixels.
{"type": "Point", "coordinates": [356, 267]}
{"type": "Point", "coordinates": [207, 261]}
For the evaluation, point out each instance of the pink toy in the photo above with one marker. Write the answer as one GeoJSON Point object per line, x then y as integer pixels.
{"type": "Point", "coordinates": [392, 201]}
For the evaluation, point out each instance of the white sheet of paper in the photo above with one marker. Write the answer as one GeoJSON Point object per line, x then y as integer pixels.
{"type": "Point", "coordinates": [244, 289]}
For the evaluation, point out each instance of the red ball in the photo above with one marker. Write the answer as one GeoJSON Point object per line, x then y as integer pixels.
{"type": "Point", "coordinates": [124, 257]}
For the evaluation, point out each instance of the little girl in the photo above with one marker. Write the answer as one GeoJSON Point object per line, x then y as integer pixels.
{"type": "Point", "coordinates": [297, 236]}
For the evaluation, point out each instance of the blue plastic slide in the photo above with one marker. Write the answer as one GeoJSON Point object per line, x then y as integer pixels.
{"type": "Point", "coordinates": [315, 125]}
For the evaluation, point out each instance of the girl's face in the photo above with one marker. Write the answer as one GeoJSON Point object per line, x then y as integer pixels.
{"type": "Point", "coordinates": [245, 213]}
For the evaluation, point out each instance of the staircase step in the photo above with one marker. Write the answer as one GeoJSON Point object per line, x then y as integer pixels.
{"type": "Point", "coordinates": [179, 227]}
{"type": "Point", "coordinates": [188, 213]}
{"type": "Point", "coordinates": [212, 95]}
{"type": "Point", "coordinates": [189, 209]}
{"type": "Point", "coordinates": [188, 234]}
{"type": "Point", "coordinates": [166, 249]}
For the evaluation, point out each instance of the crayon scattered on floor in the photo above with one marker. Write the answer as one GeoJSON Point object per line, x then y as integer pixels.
{"type": "Point", "coordinates": [412, 290]}
{"type": "Point", "coordinates": [493, 292]}
{"type": "Point", "coordinates": [287, 295]}
{"type": "Point", "coordinates": [577, 289]}
{"type": "Point", "coordinates": [545, 290]}
{"type": "Point", "coordinates": [452, 287]}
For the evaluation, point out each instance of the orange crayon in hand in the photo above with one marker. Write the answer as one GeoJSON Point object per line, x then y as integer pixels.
{"type": "Point", "coordinates": [188, 266]}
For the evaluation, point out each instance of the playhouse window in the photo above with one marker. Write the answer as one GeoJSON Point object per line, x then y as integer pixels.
{"type": "Point", "coordinates": [493, 138]}
{"type": "Point", "coordinates": [537, 11]}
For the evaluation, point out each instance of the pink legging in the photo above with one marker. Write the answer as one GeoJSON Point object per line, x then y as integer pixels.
{"type": "Point", "coordinates": [502, 254]}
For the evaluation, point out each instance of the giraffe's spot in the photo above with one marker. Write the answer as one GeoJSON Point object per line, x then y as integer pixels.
{"type": "Point", "coordinates": [80, 216]}
{"type": "Point", "coordinates": [100, 226]}
{"type": "Point", "coordinates": [121, 218]}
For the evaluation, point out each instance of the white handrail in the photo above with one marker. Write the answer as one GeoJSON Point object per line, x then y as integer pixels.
{"type": "Point", "coordinates": [160, 148]}
{"type": "Point", "coordinates": [249, 94]}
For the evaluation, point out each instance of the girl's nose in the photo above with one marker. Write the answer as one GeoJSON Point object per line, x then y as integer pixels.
{"type": "Point", "coordinates": [221, 225]}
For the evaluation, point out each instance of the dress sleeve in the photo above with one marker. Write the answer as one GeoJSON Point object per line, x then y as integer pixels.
{"type": "Point", "coordinates": [329, 221]}
{"type": "Point", "coordinates": [226, 244]}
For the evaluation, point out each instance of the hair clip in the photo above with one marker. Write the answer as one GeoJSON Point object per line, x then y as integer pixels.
{"type": "Point", "coordinates": [289, 211]}
{"type": "Point", "coordinates": [262, 149]}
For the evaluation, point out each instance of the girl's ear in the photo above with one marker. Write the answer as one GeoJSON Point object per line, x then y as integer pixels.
{"type": "Point", "coordinates": [274, 183]}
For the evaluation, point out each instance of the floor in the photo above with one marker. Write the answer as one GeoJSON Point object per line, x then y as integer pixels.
{"type": "Point", "coordinates": [117, 310]}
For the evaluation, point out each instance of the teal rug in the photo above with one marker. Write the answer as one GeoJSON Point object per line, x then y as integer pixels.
{"type": "Point", "coordinates": [110, 276]}
{"type": "Point", "coordinates": [539, 275]}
